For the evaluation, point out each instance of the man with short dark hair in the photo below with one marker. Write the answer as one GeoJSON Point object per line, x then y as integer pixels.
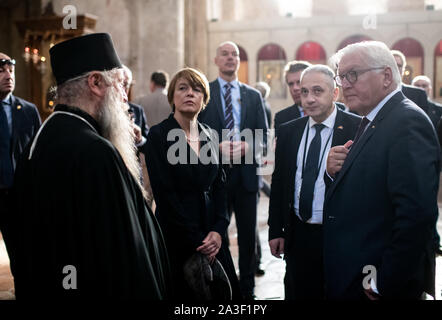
{"type": "Point", "coordinates": [78, 191]}
{"type": "Point", "coordinates": [292, 75]}
{"type": "Point", "coordinates": [158, 79]}
{"type": "Point", "coordinates": [19, 121]}
{"type": "Point", "coordinates": [155, 105]}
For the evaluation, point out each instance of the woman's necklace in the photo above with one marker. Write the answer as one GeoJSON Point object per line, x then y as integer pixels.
{"type": "Point", "coordinates": [192, 140]}
{"type": "Point", "coordinates": [195, 137]}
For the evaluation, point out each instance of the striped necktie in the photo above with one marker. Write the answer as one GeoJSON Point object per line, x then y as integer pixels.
{"type": "Point", "coordinates": [228, 116]}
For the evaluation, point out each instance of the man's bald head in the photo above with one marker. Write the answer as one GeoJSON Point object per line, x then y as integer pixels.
{"type": "Point", "coordinates": [423, 82]}
{"type": "Point", "coordinates": [227, 60]}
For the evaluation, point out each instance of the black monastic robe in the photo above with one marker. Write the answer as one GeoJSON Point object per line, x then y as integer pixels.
{"type": "Point", "coordinates": [80, 227]}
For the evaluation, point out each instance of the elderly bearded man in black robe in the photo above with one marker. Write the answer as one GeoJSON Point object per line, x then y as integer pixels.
{"type": "Point", "coordinates": [81, 227]}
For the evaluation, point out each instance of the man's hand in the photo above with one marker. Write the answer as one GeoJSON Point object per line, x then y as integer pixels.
{"type": "Point", "coordinates": [238, 149]}
{"type": "Point", "coordinates": [277, 247]}
{"type": "Point", "coordinates": [224, 147]}
{"type": "Point", "coordinates": [232, 150]}
{"type": "Point", "coordinates": [371, 294]}
{"type": "Point", "coordinates": [336, 158]}
{"type": "Point", "coordinates": [211, 245]}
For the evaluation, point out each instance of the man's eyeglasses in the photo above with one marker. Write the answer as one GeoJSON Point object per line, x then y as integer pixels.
{"type": "Point", "coordinates": [352, 76]}
{"type": "Point", "coordinates": [10, 62]}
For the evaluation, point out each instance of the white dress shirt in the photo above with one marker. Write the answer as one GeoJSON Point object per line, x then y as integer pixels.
{"type": "Point", "coordinates": [301, 111]}
{"type": "Point", "coordinates": [319, 191]}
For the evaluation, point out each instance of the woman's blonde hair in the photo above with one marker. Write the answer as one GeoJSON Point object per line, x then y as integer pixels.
{"type": "Point", "coordinates": [195, 78]}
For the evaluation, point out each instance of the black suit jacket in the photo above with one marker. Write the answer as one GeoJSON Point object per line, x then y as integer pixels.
{"type": "Point", "coordinates": [417, 95]}
{"type": "Point", "coordinates": [140, 120]}
{"type": "Point", "coordinates": [180, 189]}
{"type": "Point", "coordinates": [285, 115]}
{"type": "Point", "coordinates": [252, 117]}
{"type": "Point", "coordinates": [439, 128]}
{"type": "Point", "coordinates": [25, 124]}
{"type": "Point", "coordinates": [283, 178]}
{"type": "Point", "coordinates": [434, 112]}
{"type": "Point", "coordinates": [381, 209]}
{"type": "Point", "coordinates": [340, 105]}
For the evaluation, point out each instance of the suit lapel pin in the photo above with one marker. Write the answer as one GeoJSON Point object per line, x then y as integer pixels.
{"type": "Point", "coordinates": [341, 127]}
{"type": "Point", "coordinates": [18, 107]}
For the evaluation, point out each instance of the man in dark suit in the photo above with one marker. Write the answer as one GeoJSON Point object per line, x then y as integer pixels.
{"type": "Point", "coordinates": [136, 111]}
{"type": "Point", "coordinates": [417, 95]}
{"type": "Point", "coordinates": [141, 130]}
{"type": "Point", "coordinates": [236, 110]}
{"type": "Point", "coordinates": [435, 114]}
{"type": "Point", "coordinates": [292, 72]}
{"type": "Point", "coordinates": [380, 210]}
{"type": "Point", "coordinates": [434, 108]}
{"type": "Point", "coordinates": [297, 193]}
{"type": "Point", "coordinates": [19, 121]}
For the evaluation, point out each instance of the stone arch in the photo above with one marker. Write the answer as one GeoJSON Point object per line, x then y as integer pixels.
{"type": "Point", "coordinates": [312, 52]}
{"type": "Point", "coordinates": [414, 53]}
{"type": "Point", "coordinates": [271, 62]}
{"type": "Point", "coordinates": [243, 72]}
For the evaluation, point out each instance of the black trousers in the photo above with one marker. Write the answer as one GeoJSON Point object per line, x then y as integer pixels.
{"type": "Point", "coordinates": [4, 206]}
{"type": "Point", "coordinates": [304, 278]}
{"type": "Point", "coordinates": [244, 204]}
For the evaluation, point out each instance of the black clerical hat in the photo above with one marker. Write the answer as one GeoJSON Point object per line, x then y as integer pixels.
{"type": "Point", "coordinates": [74, 57]}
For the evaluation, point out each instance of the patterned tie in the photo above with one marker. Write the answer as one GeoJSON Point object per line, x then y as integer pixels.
{"type": "Point", "coordinates": [228, 117]}
{"type": "Point", "coordinates": [6, 170]}
{"type": "Point", "coordinates": [361, 130]}
{"type": "Point", "coordinates": [310, 175]}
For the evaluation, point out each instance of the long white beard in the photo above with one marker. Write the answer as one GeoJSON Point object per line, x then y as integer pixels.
{"type": "Point", "coordinates": [116, 127]}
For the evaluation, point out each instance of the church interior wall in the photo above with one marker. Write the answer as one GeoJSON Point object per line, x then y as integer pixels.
{"type": "Point", "coordinates": [426, 27]}
{"type": "Point", "coordinates": [170, 34]}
